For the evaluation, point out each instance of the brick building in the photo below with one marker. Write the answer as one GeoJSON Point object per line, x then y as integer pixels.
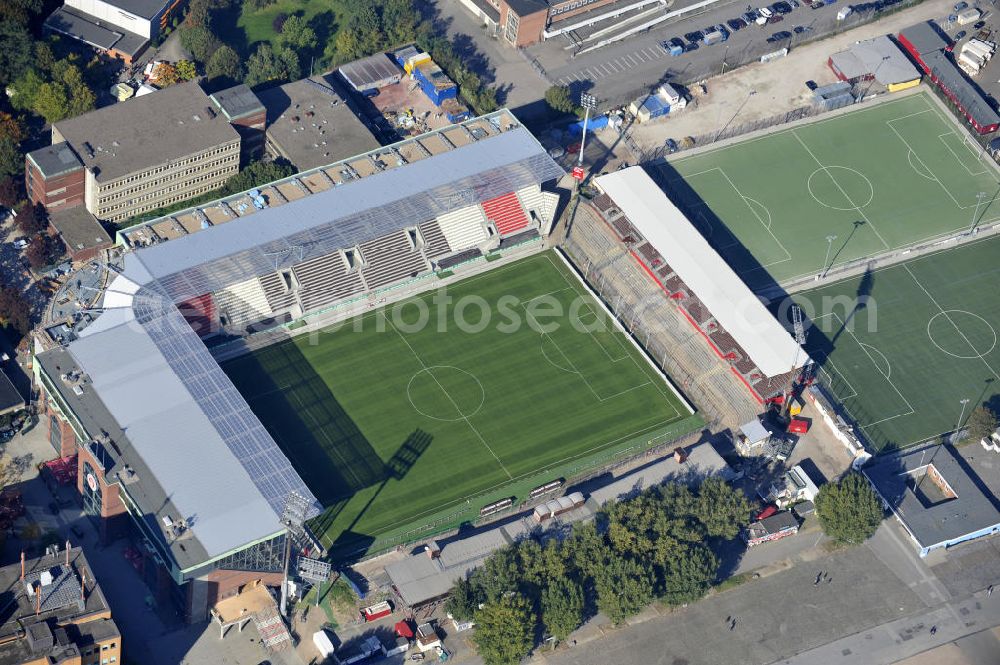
{"type": "Point", "coordinates": [119, 28]}
{"type": "Point", "coordinates": [55, 612]}
{"type": "Point", "coordinates": [245, 112]}
{"type": "Point", "coordinates": [523, 22]}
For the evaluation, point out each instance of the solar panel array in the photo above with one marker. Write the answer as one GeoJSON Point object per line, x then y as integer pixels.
{"type": "Point", "coordinates": [222, 404]}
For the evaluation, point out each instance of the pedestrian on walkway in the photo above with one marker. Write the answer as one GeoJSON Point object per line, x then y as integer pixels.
{"type": "Point", "coordinates": [933, 630]}
{"type": "Point", "coordinates": [989, 591]}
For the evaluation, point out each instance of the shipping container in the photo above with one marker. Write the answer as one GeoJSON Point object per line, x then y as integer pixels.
{"type": "Point", "coordinates": [978, 49]}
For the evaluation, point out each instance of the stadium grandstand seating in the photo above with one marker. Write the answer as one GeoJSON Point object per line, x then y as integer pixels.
{"type": "Point", "coordinates": [324, 280]}
{"type": "Point", "coordinates": [506, 213]}
{"type": "Point", "coordinates": [391, 258]}
{"type": "Point", "coordinates": [279, 296]}
{"type": "Point", "coordinates": [243, 303]}
{"type": "Point", "coordinates": [435, 244]}
{"type": "Point", "coordinates": [200, 313]}
{"type": "Point", "coordinates": [533, 199]}
{"type": "Point", "coordinates": [464, 228]}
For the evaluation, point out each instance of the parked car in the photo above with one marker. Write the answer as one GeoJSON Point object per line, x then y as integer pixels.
{"type": "Point", "coordinates": [690, 46]}
{"type": "Point", "coordinates": [979, 25]}
{"type": "Point", "coordinates": [959, 35]}
{"type": "Point", "coordinates": [960, 6]}
{"type": "Point", "coordinates": [779, 36]}
{"type": "Point", "coordinates": [735, 24]}
{"type": "Point", "coordinates": [811, 84]}
{"type": "Point", "coordinates": [694, 36]}
{"type": "Point", "coordinates": [749, 18]}
{"type": "Point", "coordinates": [777, 18]}
{"type": "Point", "coordinates": [799, 29]}
{"type": "Point", "coordinates": [764, 12]}
{"type": "Point", "coordinates": [781, 7]}
{"type": "Point", "coordinates": [671, 146]}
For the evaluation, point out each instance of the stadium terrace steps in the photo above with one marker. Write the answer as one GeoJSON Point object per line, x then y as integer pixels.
{"type": "Point", "coordinates": [435, 244]}
{"type": "Point", "coordinates": [531, 199]}
{"type": "Point", "coordinates": [278, 298]}
{"type": "Point", "coordinates": [391, 258]}
{"type": "Point", "coordinates": [244, 302]}
{"type": "Point", "coordinates": [463, 228]}
{"type": "Point", "coordinates": [506, 212]}
{"type": "Point", "coordinates": [324, 280]}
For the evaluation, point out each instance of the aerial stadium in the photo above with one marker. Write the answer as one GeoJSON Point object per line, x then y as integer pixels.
{"type": "Point", "coordinates": [257, 371]}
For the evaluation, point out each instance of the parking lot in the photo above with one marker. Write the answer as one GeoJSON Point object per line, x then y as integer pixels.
{"type": "Point", "coordinates": [988, 78]}
{"type": "Point", "coordinates": [619, 72]}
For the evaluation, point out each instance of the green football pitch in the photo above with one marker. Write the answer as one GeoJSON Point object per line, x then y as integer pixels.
{"type": "Point", "coordinates": [923, 340]}
{"type": "Point", "coordinates": [870, 180]}
{"type": "Point", "coordinates": [405, 417]}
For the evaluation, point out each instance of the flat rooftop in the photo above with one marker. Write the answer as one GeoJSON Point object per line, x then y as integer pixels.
{"type": "Point", "coordinates": [145, 131]}
{"type": "Point", "coordinates": [143, 8]}
{"type": "Point", "coordinates": [55, 160]}
{"type": "Point", "coordinates": [311, 123]}
{"type": "Point", "coordinates": [372, 72]}
{"type": "Point", "coordinates": [91, 30]}
{"type": "Point", "coordinates": [935, 493]}
{"type": "Point", "coordinates": [237, 102]}
{"type": "Point", "coordinates": [79, 229]}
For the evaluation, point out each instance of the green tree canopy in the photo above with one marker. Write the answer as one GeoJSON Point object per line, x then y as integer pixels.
{"type": "Point", "coordinates": [624, 587]}
{"type": "Point", "coordinates": [224, 67]}
{"type": "Point", "coordinates": [504, 629]}
{"type": "Point", "coordinates": [11, 158]}
{"type": "Point", "coordinates": [562, 606]}
{"type": "Point", "coordinates": [849, 510]}
{"type": "Point", "coordinates": [16, 54]}
{"type": "Point", "coordinates": [257, 174]}
{"type": "Point", "coordinates": [464, 601]}
{"type": "Point", "coordinates": [723, 509]}
{"type": "Point", "coordinates": [559, 98]}
{"type": "Point", "coordinates": [297, 35]}
{"type": "Point", "coordinates": [267, 64]}
{"type": "Point", "coordinates": [200, 42]}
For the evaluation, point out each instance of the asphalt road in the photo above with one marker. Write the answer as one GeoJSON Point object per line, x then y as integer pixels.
{"type": "Point", "coordinates": [618, 73]}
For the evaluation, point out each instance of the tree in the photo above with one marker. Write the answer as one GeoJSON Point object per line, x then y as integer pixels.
{"type": "Point", "coordinates": [849, 510]}
{"type": "Point", "coordinates": [81, 97]}
{"type": "Point", "coordinates": [32, 219]}
{"type": "Point", "coordinates": [688, 575]}
{"type": "Point", "coordinates": [297, 35]}
{"type": "Point", "coordinates": [981, 424]}
{"type": "Point", "coordinates": [500, 574]}
{"type": "Point", "coordinates": [624, 587]}
{"type": "Point", "coordinates": [166, 75]}
{"type": "Point", "coordinates": [15, 311]}
{"type": "Point", "coordinates": [200, 42]}
{"type": "Point", "coordinates": [562, 607]}
{"type": "Point", "coordinates": [16, 54]}
{"type": "Point", "coordinates": [224, 67]}
{"type": "Point", "coordinates": [19, 11]}
{"type": "Point", "coordinates": [186, 70]}
{"type": "Point", "coordinates": [504, 629]}
{"type": "Point", "coordinates": [267, 64]}
{"type": "Point", "coordinates": [11, 159]}
{"type": "Point", "coordinates": [10, 126]}
{"type": "Point", "coordinates": [559, 98]}
{"type": "Point", "coordinates": [10, 192]}
{"type": "Point", "coordinates": [723, 509]}
{"type": "Point", "coordinates": [25, 90]}
{"type": "Point", "coordinates": [257, 174]}
{"type": "Point", "coordinates": [400, 20]}
{"type": "Point", "coordinates": [44, 250]}
{"type": "Point", "coordinates": [257, 5]}
{"type": "Point", "coordinates": [464, 600]}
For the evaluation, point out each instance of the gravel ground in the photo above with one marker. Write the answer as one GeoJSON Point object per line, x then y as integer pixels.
{"type": "Point", "coordinates": [780, 85]}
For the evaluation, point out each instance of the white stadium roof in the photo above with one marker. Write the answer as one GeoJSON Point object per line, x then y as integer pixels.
{"type": "Point", "coordinates": [699, 266]}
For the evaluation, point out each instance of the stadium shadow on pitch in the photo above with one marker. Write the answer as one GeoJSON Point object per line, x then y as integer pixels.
{"type": "Point", "coordinates": [707, 222]}
{"type": "Point", "coordinates": [312, 428]}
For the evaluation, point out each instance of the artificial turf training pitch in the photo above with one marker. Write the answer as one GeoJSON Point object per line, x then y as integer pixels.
{"type": "Point", "coordinates": [925, 339]}
{"type": "Point", "coordinates": [877, 178]}
{"type": "Point", "coordinates": [394, 425]}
